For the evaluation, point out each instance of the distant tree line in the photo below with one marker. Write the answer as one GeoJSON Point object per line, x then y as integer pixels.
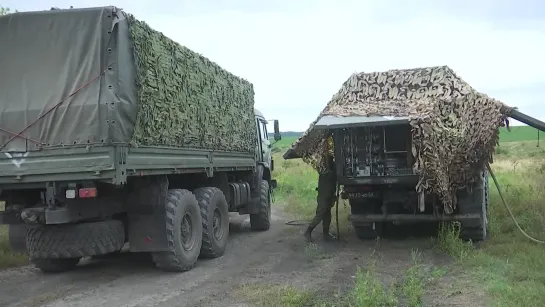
{"type": "Point", "coordinates": [5, 11]}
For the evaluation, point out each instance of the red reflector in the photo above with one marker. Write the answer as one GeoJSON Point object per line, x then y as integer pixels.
{"type": "Point", "coordinates": [87, 192]}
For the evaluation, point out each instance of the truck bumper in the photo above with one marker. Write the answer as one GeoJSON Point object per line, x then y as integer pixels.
{"type": "Point", "coordinates": [363, 219]}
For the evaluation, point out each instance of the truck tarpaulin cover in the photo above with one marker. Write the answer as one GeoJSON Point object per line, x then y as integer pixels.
{"type": "Point", "coordinates": [454, 128]}
{"type": "Point", "coordinates": [130, 85]}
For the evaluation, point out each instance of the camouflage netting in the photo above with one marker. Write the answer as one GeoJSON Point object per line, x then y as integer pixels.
{"type": "Point", "coordinates": [185, 100]}
{"type": "Point", "coordinates": [454, 127]}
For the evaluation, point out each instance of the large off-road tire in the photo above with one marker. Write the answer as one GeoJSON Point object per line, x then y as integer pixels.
{"type": "Point", "coordinates": [369, 232]}
{"type": "Point", "coordinates": [215, 221]}
{"type": "Point", "coordinates": [59, 248]}
{"type": "Point", "coordinates": [262, 220]}
{"type": "Point", "coordinates": [477, 202]}
{"type": "Point", "coordinates": [183, 231]}
{"type": "Point", "coordinates": [372, 230]}
{"type": "Point", "coordinates": [75, 240]}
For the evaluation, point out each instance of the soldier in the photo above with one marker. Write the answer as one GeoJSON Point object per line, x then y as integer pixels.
{"type": "Point", "coordinates": [327, 186]}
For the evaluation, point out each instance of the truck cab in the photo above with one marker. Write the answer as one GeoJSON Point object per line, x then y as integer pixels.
{"type": "Point", "coordinates": [264, 146]}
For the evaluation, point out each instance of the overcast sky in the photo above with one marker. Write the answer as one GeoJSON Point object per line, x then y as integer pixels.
{"type": "Point", "coordinates": [297, 53]}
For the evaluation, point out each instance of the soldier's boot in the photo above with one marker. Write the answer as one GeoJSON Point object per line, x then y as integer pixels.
{"type": "Point", "coordinates": [308, 233]}
{"type": "Point", "coordinates": [326, 223]}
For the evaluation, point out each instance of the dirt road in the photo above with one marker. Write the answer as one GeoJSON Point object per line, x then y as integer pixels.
{"type": "Point", "coordinates": [262, 260]}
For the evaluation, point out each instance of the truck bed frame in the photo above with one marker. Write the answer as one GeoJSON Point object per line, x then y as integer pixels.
{"type": "Point", "coordinates": [113, 164]}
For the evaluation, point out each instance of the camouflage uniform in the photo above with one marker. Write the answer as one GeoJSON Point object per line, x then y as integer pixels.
{"type": "Point", "coordinates": [327, 187]}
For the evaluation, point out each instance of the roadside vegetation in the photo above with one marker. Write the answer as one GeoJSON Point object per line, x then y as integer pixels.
{"type": "Point", "coordinates": [7, 257]}
{"type": "Point", "coordinates": [511, 267]}
{"type": "Point", "coordinates": [4, 11]}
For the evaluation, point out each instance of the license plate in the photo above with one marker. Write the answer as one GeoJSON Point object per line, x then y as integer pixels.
{"type": "Point", "coordinates": [355, 195]}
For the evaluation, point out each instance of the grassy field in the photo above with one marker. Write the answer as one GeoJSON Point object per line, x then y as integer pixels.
{"type": "Point", "coordinates": [511, 267]}
{"type": "Point", "coordinates": [519, 133]}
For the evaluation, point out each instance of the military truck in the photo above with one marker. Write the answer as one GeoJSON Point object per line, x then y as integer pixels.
{"type": "Point", "coordinates": [373, 160]}
{"type": "Point", "coordinates": [374, 165]}
{"type": "Point", "coordinates": [113, 134]}
{"type": "Point", "coordinates": [411, 146]}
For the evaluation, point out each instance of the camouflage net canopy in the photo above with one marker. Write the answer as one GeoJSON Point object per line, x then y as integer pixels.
{"type": "Point", "coordinates": [111, 79]}
{"type": "Point", "coordinates": [454, 128]}
{"type": "Point", "coordinates": [185, 100]}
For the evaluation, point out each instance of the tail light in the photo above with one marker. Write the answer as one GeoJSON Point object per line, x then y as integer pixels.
{"type": "Point", "coordinates": [87, 192]}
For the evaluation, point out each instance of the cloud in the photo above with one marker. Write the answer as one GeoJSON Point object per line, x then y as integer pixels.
{"type": "Point", "coordinates": [297, 61]}
{"type": "Point", "coordinates": [298, 53]}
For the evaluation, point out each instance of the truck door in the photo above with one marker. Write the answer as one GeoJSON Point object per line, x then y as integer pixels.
{"type": "Point", "coordinates": [265, 150]}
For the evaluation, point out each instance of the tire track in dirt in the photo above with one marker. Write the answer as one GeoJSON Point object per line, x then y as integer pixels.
{"type": "Point", "coordinates": [275, 257]}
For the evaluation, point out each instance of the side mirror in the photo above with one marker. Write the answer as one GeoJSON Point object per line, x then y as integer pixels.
{"type": "Point", "coordinates": [277, 135]}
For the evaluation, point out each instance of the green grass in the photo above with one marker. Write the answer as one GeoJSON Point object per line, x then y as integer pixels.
{"type": "Point", "coordinates": [7, 257]}
{"type": "Point", "coordinates": [268, 295]}
{"type": "Point", "coordinates": [511, 267]}
{"type": "Point", "coordinates": [520, 150]}
{"type": "Point", "coordinates": [414, 283]}
{"type": "Point", "coordinates": [370, 291]}
{"type": "Point", "coordinates": [518, 134]}
{"type": "Point", "coordinates": [282, 145]}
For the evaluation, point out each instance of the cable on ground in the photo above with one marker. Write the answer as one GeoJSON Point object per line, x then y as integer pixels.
{"type": "Point", "coordinates": [509, 209]}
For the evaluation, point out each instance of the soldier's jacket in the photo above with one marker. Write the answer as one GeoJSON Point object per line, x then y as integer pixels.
{"type": "Point", "coordinates": [327, 184]}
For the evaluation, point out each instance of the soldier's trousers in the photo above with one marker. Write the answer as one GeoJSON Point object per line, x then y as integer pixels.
{"type": "Point", "coordinates": [327, 186]}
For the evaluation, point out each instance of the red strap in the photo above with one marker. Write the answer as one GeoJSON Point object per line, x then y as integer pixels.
{"type": "Point", "coordinates": [26, 138]}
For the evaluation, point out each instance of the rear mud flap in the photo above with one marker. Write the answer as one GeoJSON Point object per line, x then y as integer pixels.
{"type": "Point", "coordinates": [147, 233]}
{"type": "Point", "coordinates": [17, 238]}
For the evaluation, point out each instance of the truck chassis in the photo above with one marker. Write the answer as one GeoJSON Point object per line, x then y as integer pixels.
{"type": "Point", "coordinates": [67, 203]}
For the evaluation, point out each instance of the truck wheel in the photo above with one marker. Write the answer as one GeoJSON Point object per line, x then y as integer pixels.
{"type": "Point", "coordinates": [476, 203]}
{"type": "Point", "coordinates": [215, 221]}
{"type": "Point", "coordinates": [183, 230]}
{"type": "Point", "coordinates": [47, 244]}
{"type": "Point", "coordinates": [371, 230]}
{"type": "Point", "coordinates": [55, 265]}
{"type": "Point", "coordinates": [262, 220]}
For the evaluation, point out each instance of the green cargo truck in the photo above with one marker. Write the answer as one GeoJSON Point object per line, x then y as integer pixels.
{"type": "Point", "coordinates": [111, 133]}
